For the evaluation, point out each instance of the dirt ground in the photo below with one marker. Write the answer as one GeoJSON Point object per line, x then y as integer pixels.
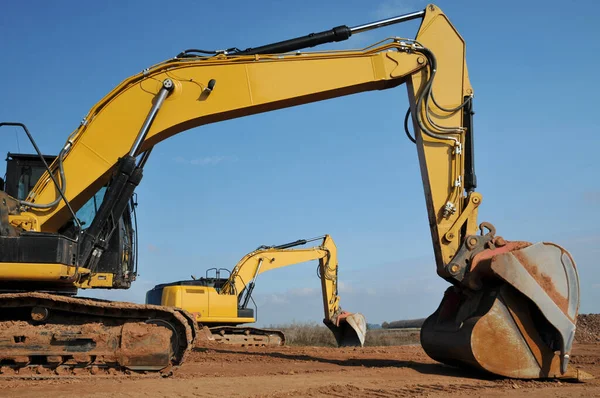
{"type": "Point", "coordinates": [403, 371]}
{"type": "Point", "coordinates": [292, 371]}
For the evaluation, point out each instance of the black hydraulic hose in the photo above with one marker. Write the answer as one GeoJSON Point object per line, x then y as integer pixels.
{"type": "Point", "coordinates": [426, 93]}
{"type": "Point", "coordinates": [186, 53]}
{"type": "Point", "coordinates": [452, 110]}
{"type": "Point", "coordinates": [194, 52]}
{"type": "Point", "coordinates": [406, 117]}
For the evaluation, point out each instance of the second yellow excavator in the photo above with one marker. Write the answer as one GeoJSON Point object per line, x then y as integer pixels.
{"type": "Point", "coordinates": [220, 304]}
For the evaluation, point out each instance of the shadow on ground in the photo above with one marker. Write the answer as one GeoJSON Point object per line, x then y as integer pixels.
{"type": "Point", "coordinates": [424, 368]}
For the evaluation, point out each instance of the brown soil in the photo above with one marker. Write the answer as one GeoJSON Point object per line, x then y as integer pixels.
{"type": "Point", "coordinates": [588, 328]}
{"type": "Point", "coordinates": [403, 371]}
{"type": "Point", "coordinates": [393, 371]}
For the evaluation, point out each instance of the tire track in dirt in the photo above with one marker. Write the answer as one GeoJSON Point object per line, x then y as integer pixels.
{"type": "Point", "coordinates": [350, 391]}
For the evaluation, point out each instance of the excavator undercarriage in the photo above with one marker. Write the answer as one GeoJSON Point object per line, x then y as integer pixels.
{"type": "Point", "coordinates": [244, 336]}
{"type": "Point", "coordinates": [66, 333]}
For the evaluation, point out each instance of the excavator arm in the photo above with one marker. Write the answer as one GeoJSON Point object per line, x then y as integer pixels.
{"type": "Point", "coordinates": [245, 85]}
{"type": "Point", "coordinates": [515, 297]}
{"type": "Point", "coordinates": [183, 93]}
{"type": "Point", "coordinates": [349, 329]}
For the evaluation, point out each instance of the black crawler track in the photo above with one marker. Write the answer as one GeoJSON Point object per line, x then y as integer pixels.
{"type": "Point", "coordinates": [247, 336]}
{"type": "Point", "coordinates": [46, 334]}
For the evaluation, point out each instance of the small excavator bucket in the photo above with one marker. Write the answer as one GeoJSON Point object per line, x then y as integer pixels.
{"type": "Point", "coordinates": [350, 331]}
{"type": "Point", "coordinates": [521, 320]}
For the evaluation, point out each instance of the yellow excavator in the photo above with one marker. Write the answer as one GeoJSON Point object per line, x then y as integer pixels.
{"type": "Point", "coordinates": [511, 307]}
{"type": "Point", "coordinates": [220, 304]}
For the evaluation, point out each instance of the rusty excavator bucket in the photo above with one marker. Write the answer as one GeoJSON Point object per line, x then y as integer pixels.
{"type": "Point", "coordinates": [517, 316]}
{"type": "Point", "coordinates": [350, 329]}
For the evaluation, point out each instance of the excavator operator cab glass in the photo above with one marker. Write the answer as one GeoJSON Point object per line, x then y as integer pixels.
{"type": "Point", "coordinates": [88, 211]}
{"type": "Point", "coordinates": [22, 172]}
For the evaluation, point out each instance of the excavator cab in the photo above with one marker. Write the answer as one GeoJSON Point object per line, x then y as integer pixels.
{"type": "Point", "coordinates": [22, 173]}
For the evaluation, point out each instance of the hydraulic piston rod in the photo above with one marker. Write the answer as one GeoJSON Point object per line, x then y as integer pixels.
{"type": "Point", "coordinates": [162, 94]}
{"type": "Point", "coordinates": [386, 22]}
{"type": "Point", "coordinates": [339, 33]}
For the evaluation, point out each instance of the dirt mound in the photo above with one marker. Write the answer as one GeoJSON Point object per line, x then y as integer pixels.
{"type": "Point", "coordinates": [588, 328]}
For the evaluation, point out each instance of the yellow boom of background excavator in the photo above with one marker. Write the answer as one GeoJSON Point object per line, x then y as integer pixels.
{"type": "Point", "coordinates": [220, 304]}
{"type": "Point", "coordinates": [511, 308]}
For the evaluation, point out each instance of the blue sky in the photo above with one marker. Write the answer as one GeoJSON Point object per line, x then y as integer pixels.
{"type": "Point", "coordinates": [342, 166]}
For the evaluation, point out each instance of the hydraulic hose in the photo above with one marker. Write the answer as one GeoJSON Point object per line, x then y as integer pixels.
{"type": "Point", "coordinates": [406, 117]}
{"type": "Point", "coordinates": [426, 94]}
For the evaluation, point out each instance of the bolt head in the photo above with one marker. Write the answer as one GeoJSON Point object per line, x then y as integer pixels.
{"type": "Point", "coordinates": [454, 268]}
{"type": "Point", "coordinates": [499, 241]}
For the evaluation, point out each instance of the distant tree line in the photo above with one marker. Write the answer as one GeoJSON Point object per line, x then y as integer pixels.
{"type": "Point", "coordinates": [410, 323]}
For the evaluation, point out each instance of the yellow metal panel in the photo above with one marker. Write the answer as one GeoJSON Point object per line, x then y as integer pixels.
{"type": "Point", "coordinates": [221, 320]}
{"type": "Point", "coordinates": [266, 79]}
{"type": "Point", "coordinates": [59, 273]}
{"type": "Point", "coordinates": [99, 280]}
{"type": "Point", "coordinates": [171, 296]}
{"type": "Point", "coordinates": [192, 298]}
{"type": "Point", "coordinates": [222, 305]}
{"type": "Point", "coordinates": [205, 303]}
{"type": "Point", "coordinates": [37, 272]}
